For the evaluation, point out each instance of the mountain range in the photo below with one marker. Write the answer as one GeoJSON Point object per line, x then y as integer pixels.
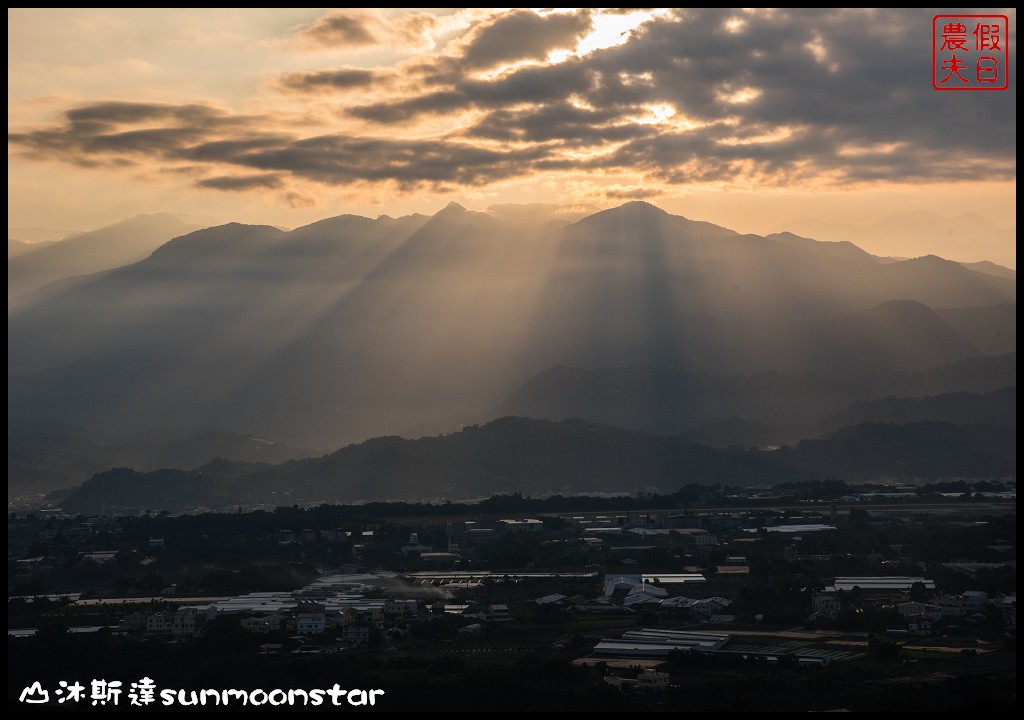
{"type": "Point", "coordinates": [34, 266]}
{"type": "Point", "coordinates": [354, 328]}
{"type": "Point", "coordinates": [966, 237]}
{"type": "Point", "coordinates": [539, 457]}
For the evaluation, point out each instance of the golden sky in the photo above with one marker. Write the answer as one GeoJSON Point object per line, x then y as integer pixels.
{"type": "Point", "coordinates": [746, 118]}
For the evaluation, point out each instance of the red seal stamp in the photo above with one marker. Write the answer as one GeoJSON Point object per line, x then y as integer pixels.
{"type": "Point", "coordinates": [970, 52]}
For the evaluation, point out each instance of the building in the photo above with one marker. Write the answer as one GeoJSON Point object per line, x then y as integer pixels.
{"type": "Point", "coordinates": [337, 535]}
{"type": "Point", "coordinates": [974, 599]}
{"type": "Point", "coordinates": [825, 603]}
{"type": "Point", "coordinates": [921, 627]}
{"type": "Point", "coordinates": [882, 585]}
{"type": "Point", "coordinates": [524, 525]}
{"type": "Point", "coordinates": [649, 679]}
{"type": "Point", "coordinates": [655, 643]}
{"type": "Point", "coordinates": [649, 582]}
{"type": "Point", "coordinates": [255, 625]}
{"type": "Point", "coordinates": [185, 622]}
{"type": "Point", "coordinates": [708, 608]}
{"type": "Point", "coordinates": [638, 599]}
{"type": "Point", "coordinates": [395, 607]}
{"type": "Point", "coordinates": [356, 634]}
{"type": "Point", "coordinates": [552, 599]}
{"type": "Point", "coordinates": [498, 613]}
{"type": "Point", "coordinates": [310, 623]}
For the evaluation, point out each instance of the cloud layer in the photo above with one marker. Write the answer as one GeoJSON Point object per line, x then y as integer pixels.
{"type": "Point", "coordinates": [755, 99]}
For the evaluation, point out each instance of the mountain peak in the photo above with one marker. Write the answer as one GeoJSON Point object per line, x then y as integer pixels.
{"type": "Point", "coordinates": [453, 208]}
{"type": "Point", "coordinates": [640, 206]}
{"type": "Point", "coordinates": [629, 213]}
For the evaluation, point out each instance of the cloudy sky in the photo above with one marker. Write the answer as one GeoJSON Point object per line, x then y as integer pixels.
{"type": "Point", "coordinates": [285, 116]}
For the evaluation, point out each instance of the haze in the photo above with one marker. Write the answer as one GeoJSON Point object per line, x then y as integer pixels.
{"type": "Point", "coordinates": [265, 234]}
{"type": "Point", "coordinates": [749, 119]}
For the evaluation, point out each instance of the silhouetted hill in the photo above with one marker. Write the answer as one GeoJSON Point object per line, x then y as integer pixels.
{"type": "Point", "coordinates": [540, 457]}
{"type": "Point", "coordinates": [990, 268]}
{"type": "Point", "coordinates": [174, 490]}
{"type": "Point", "coordinates": [507, 455]}
{"type": "Point", "coordinates": [964, 237]}
{"type": "Point", "coordinates": [871, 452]}
{"type": "Point", "coordinates": [997, 408]}
{"type": "Point", "coordinates": [943, 283]}
{"type": "Point", "coordinates": [43, 456]}
{"type": "Point", "coordinates": [17, 248]}
{"type": "Point", "coordinates": [976, 375]}
{"type": "Point", "coordinates": [768, 408]}
{"type": "Point", "coordinates": [110, 247]}
{"type": "Point", "coordinates": [899, 334]}
{"type": "Point", "coordinates": [737, 432]}
{"type": "Point", "coordinates": [992, 330]}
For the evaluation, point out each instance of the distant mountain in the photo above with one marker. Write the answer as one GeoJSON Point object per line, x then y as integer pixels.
{"type": "Point", "coordinates": [902, 335]}
{"type": "Point", "coordinates": [991, 330]}
{"type": "Point", "coordinates": [966, 237]}
{"type": "Point", "coordinates": [40, 235]}
{"type": "Point", "coordinates": [997, 408]}
{"type": "Point", "coordinates": [540, 457]}
{"type": "Point", "coordinates": [737, 432]}
{"type": "Point", "coordinates": [871, 452]}
{"type": "Point", "coordinates": [43, 456]}
{"type": "Point", "coordinates": [88, 253]}
{"type": "Point", "coordinates": [355, 327]}
{"type": "Point", "coordinates": [990, 268]}
{"type": "Point", "coordinates": [977, 375]}
{"type": "Point", "coordinates": [767, 408]}
{"type": "Point", "coordinates": [17, 248]}
{"type": "Point", "coordinates": [507, 455]}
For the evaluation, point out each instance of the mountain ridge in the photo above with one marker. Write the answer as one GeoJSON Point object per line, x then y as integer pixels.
{"type": "Point", "coordinates": [536, 457]}
{"type": "Point", "coordinates": [353, 327]}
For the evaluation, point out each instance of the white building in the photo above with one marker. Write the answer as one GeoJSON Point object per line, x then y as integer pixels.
{"type": "Point", "coordinates": [310, 623]}
{"type": "Point", "coordinates": [884, 584]}
{"type": "Point", "coordinates": [825, 603]}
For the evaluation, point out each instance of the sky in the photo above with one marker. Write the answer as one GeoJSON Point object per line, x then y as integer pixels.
{"type": "Point", "coordinates": [745, 118]}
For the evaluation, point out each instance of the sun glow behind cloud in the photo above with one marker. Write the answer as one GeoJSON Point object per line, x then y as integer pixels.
{"type": "Point", "coordinates": [611, 30]}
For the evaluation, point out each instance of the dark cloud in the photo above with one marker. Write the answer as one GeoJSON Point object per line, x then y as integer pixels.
{"type": "Point", "coordinates": [237, 184]}
{"type": "Point", "coordinates": [561, 122]}
{"type": "Point", "coordinates": [103, 133]}
{"type": "Point", "coordinates": [222, 142]}
{"type": "Point", "coordinates": [840, 82]}
{"type": "Point", "coordinates": [358, 28]}
{"type": "Point", "coordinates": [632, 193]}
{"type": "Point", "coordinates": [296, 200]}
{"type": "Point", "coordinates": [523, 35]}
{"type": "Point", "coordinates": [397, 111]}
{"type": "Point", "coordinates": [332, 80]}
{"type": "Point", "coordinates": [535, 85]}
{"type": "Point", "coordinates": [340, 28]}
{"type": "Point", "coordinates": [760, 98]}
{"type": "Point", "coordinates": [338, 159]}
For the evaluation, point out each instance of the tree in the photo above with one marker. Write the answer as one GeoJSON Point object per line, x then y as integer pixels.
{"type": "Point", "coordinates": [918, 592]}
